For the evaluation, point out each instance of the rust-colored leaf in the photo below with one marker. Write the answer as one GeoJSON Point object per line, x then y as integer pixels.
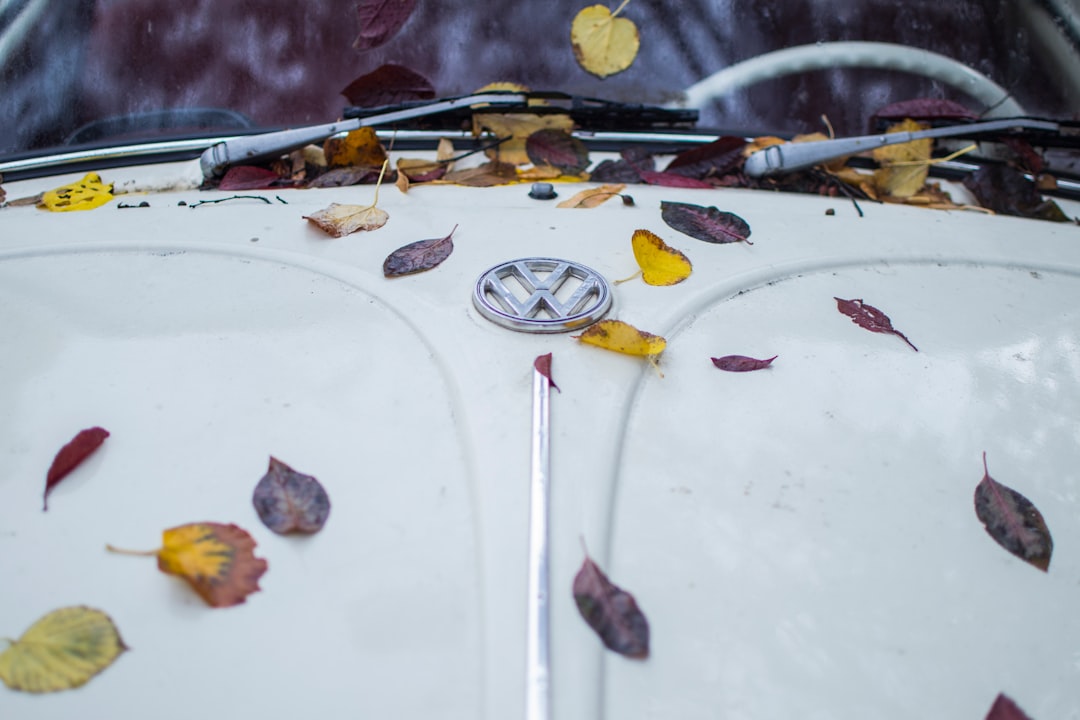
{"type": "Point", "coordinates": [611, 612]}
{"type": "Point", "coordinates": [705, 223]}
{"type": "Point", "coordinates": [543, 366]}
{"type": "Point", "coordinates": [1013, 521]}
{"type": "Point", "coordinates": [418, 256]}
{"type": "Point", "coordinates": [389, 84]}
{"type": "Point", "coordinates": [1005, 709]}
{"type": "Point", "coordinates": [71, 456]}
{"type": "Point", "coordinates": [288, 501]}
{"type": "Point", "coordinates": [380, 20]}
{"type": "Point", "coordinates": [870, 318]}
{"type": "Point", "coordinates": [358, 147]}
{"type": "Point", "coordinates": [742, 363]}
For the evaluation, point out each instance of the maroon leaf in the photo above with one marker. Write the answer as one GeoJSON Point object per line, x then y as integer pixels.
{"type": "Point", "coordinates": [543, 366]}
{"type": "Point", "coordinates": [558, 149]}
{"type": "Point", "coordinates": [615, 171]}
{"type": "Point", "coordinates": [870, 318]}
{"type": "Point", "coordinates": [1005, 190]}
{"type": "Point", "coordinates": [741, 363]}
{"type": "Point", "coordinates": [344, 176]}
{"type": "Point", "coordinates": [666, 179]}
{"type": "Point", "coordinates": [248, 177]}
{"type": "Point", "coordinates": [380, 20]}
{"type": "Point", "coordinates": [719, 157]}
{"type": "Point", "coordinates": [705, 223]}
{"type": "Point", "coordinates": [611, 612]}
{"type": "Point", "coordinates": [1013, 521]}
{"type": "Point", "coordinates": [1005, 709]}
{"type": "Point", "coordinates": [388, 84]}
{"type": "Point", "coordinates": [924, 109]}
{"type": "Point", "coordinates": [71, 456]}
{"type": "Point", "coordinates": [288, 501]}
{"type": "Point", "coordinates": [418, 256]}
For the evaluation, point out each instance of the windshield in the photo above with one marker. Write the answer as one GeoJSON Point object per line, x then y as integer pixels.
{"type": "Point", "coordinates": [68, 65]}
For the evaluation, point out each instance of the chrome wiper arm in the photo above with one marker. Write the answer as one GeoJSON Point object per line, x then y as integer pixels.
{"type": "Point", "coordinates": [789, 157]}
{"type": "Point", "coordinates": [249, 148]}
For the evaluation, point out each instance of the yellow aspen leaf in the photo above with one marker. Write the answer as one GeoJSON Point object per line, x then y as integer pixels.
{"type": "Point", "coordinates": [660, 263]}
{"type": "Point", "coordinates": [592, 197]}
{"type": "Point", "coordinates": [623, 338]}
{"type": "Point", "coordinates": [516, 128]}
{"type": "Point", "coordinates": [904, 167]}
{"type": "Point", "coordinates": [603, 43]}
{"type": "Point", "coordinates": [86, 194]}
{"type": "Point", "coordinates": [217, 560]}
{"type": "Point", "coordinates": [358, 147]}
{"type": "Point", "coordinates": [62, 650]}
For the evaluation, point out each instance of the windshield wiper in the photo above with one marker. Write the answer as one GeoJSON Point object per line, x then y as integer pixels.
{"type": "Point", "coordinates": [790, 157]}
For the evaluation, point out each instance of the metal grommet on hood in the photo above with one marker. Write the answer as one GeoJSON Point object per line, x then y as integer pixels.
{"type": "Point", "coordinates": [542, 295]}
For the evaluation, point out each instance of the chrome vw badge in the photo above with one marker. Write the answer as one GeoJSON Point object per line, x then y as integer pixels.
{"type": "Point", "coordinates": [542, 295]}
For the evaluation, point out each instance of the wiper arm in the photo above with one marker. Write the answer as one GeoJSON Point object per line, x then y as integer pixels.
{"type": "Point", "coordinates": [789, 157]}
{"type": "Point", "coordinates": [217, 158]}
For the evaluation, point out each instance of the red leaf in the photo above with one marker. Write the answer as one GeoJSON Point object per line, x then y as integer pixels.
{"type": "Point", "coordinates": [288, 501]}
{"type": "Point", "coordinates": [741, 363]}
{"type": "Point", "coordinates": [558, 149]}
{"type": "Point", "coordinates": [666, 179]}
{"type": "Point", "coordinates": [719, 157]}
{"type": "Point", "coordinates": [611, 612]}
{"type": "Point", "coordinates": [705, 223]}
{"type": "Point", "coordinates": [380, 20]}
{"type": "Point", "coordinates": [1005, 709]}
{"type": "Point", "coordinates": [248, 177]}
{"type": "Point", "coordinates": [72, 455]}
{"type": "Point", "coordinates": [1013, 521]}
{"type": "Point", "coordinates": [388, 84]}
{"type": "Point", "coordinates": [543, 366]}
{"type": "Point", "coordinates": [870, 318]}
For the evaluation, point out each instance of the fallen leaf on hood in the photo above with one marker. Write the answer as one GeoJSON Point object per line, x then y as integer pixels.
{"type": "Point", "coordinates": [603, 43]}
{"type": "Point", "coordinates": [592, 197]}
{"type": "Point", "coordinates": [486, 175]}
{"type": "Point", "coordinates": [705, 223]}
{"type": "Point", "coordinates": [514, 129]}
{"type": "Point", "coordinates": [71, 456]}
{"type": "Point", "coordinates": [904, 167]}
{"type": "Point", "coordinates": [1005, 709]}
{"type": "Point", "coordinates": [742, 363]}
{"type": "Point", "coordinates": [719, 157]}
{"type": "Point", "coordinates": [1013, 521]}
{"type": "Point", "coordinates": [419, 256]}
{"type": "Point", "coordinates": [248, 177]}
{"type": "Point", "coordinates": [389, 84]}
{"type": "Point", "coordinates": [288, 501]}
{"type": "Point", "coordinates": [558, 149]}
{"type": "Point", "coordinates": [339, 220]}
{"type": "Point", "coordinates": [62, 650]}
{"type": "Point", "coordinates": [1005, 190]}
{"type": "Point", "coordinates": [86, 194]}
{"type": "Point", "coordinates": [358, 147]}
{"type": "Point", "coordinates": [217, 560]}
{"type": "Point", "coordinates": [624, 338]}
{"type": "Point", "coordinates": [870, 318]}
{"type": "Point", "coordinates": [380, 20]}
{"type": "Point", "coordinates": [611, 611]}
{"type": "Point", "coordinates": [660, 263]}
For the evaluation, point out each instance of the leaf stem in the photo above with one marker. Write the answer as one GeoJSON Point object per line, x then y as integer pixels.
{"type": "Point", "coordinates": [620, 8]}
{"type": "Point", "coordinates": [636, 275]}
{"type": "Point", "coordinates": [138, 553]}
{"type": "Point", "coordinates": [655, 365]}
{"type": "Point", "coordinates": [378, 183]}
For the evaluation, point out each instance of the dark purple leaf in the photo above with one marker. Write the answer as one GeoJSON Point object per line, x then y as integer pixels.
{"type": "Point", "coordinates": [388, 84]}
{"type": "Point", "coordinates": [1005, 709]}
{"type": "Point", "coordinates": [1005, 190]}
{"type": "Point", "coordinates": [344, 176]}
{"type": "Point", "coordinates": [666, 179]}
{"type": "Point", "coordinates": [741, 363]}
{"type": "Point", "coordinates": [615, 171]}
{"type": "Point", "coordinates": [611, 612]}
{"type": "Point", "coordinates": [558, 149]}
{"type": "Point", "coordinates": [380, 20]}
{"type": "Point", "coordinates": [71, 456]}
{"type": "Point", "coordinates": [1013, 521]}
{"type": "Point", "coordinates": [719, 157]}
{"type": "Point", "coordinates": [418, 256]}
{"type": "Point", "coordinates": [705, 223]}
{"type": "Point", "coordinates": [870, 318]}
{"type": "Point", "coordinates": [924, 109]}
{"type": "Point", "coordinates": [1025, 156]}
{"type": "Point", "coordinates": [543, 366]}
{"type": "Point", "coordinates": [248, 177]}
{"type": "Point", "coordinates": [288, 501]}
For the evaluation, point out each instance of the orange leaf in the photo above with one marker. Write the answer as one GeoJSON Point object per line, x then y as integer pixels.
{"type": "Point", "coordinates": [217, 560]}
{"type": "Point", "coordinates": [359, 147]}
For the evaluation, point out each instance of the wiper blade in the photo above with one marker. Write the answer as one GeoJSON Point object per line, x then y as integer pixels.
{"type": "Point", "coordinates": [790, 157]}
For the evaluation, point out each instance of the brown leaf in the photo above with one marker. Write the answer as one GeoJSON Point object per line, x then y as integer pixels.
{"type": "Point", "coordinates": [339, 220]}
{"type": "Point", "coordinates": [611, 612]}
{"type": "Point", "coordinates": [288, 501]}
{"type": "Point", "coordinates": [418, 170]}
{"type": "Point", "coordinates": [419, 256]}
{"type": "Point", "coordinates": [1013, 521]}
{"type": "Point", "coordinates": [389, 84]}
{"type": "Point", "coordinates": [870, 318]}
{"type": "Point", "coordinates": [344, 177]}
{"type": "Point", "coordinates": [486, 175]}
{"type": "Point", "coordinates": [592, 197]}
{"type": "Point", "coordinates": [71, 456]}
{"type": "Point", "coordinates": [358, 147]}
{"type": "Point", "coordinates": [380, 20]}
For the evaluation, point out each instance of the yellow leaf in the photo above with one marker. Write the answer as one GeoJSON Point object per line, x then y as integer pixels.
{"type": "Point", "coordinates": [623, 338]}
{"type": "Point", "coordinates": [217, 560]}
{"type": "Point", "coordinates": [517, 127]}
{"type": "Point", "coordinates": [340, 220]}
{"type": "Point", "coordinates": [445, 151]}
{"type": "Point", "coordinates": [358, 147]}
{"type": "Point", "coordinates": [86, 194]}
{"type": "Point", "coordinates": [603, 44]}
{"type": "Point", "coordinates": [592, 197]}
{"type": "Point", "coordinates": [904, 167]}
{"type": "Point", "coordinates": [660, 263]}
{"type": "Point", "coordinates": [62, 650]}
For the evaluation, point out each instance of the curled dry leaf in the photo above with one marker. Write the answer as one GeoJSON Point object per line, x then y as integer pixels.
{"type": "Point", "coordinates": [71, 456]}
{"type": "Point", "coordinates": [389, 84]}
{"type": "Point", "coordinates": [870, 318]}
{"type": "Point", "coordinates": [543, 366]}
{"type": "Point", "coordinates": [660, 263]}
{"type": "Point", "coordinates": [419, 256]}
{"type": "Point", "coordinates": [288, 501]}
{"type": "Point", "coordinates": [1013, 521]}
{"type": "Point", "coordinates": [339, 220]}
{"type": "Point", "coordinates": [86, 194]}
{"type": "Point", "coordinates": [611, 611]}
{"type": "Point", "coordinates": [62, 650]}
{"type": "Point", "coordinates": [603, 43]}
{"type": "Point", "coordinates": [1005, 709]}
{"type": "Point", "coordinates": [742, 363]}
{"type": "Point", "coordinates": [904, 167]}
{"type": "Point", "coordinates": [380, 20]}
{"type": "Point", "coordinates": [592, 197]}
{"type": "Point", "coordinates": [705, 223]}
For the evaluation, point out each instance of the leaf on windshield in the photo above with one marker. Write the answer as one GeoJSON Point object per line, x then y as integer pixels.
{"type": "Point", "coordinates": [904, 167]}
{"type": "Point", "coordinates": [603, 43]}
{"type": "Point", "coordinates": [557, 148]}
{"type": "Point", "coordinates": [64, 649]}
{"type": "Point", "coordinates": [1005, 709]}
{"type": "Point", "coordinates": [419, 256]}
{"type": "Point", "coordinates": [719, 157]}
{"type": "Point", "coordinates": [705, 223]}
{"type": "Point", "coordinates": [1013, 521]}
{"type": "Point", "coordinates": [288, 501]}
{"type": "Point", "coordinates": [248, 177]}
{"type": "Point", "coordinates": [217, 560]}
{"type": "Point", "coordinates": [71, 456]}
{"type": "Point", "coordinates": [514, 130]}
{"type": "Point", "coordinates": [543, 366]}
{"type": "Point", "coordinates": [611, 611]}
{"type": "Point", "coordinates": [870, 318]}
{"type": "Point", "coordinates": [1005, 190]}
{"type": "Point", "coordinates": [86, 194]}
{"type": "Point", "coordinates": [742, 363]}
{"type": "Point", "coordinates": [486, 175]}
{"type": "Point", "coordinates": [592, 197]}
{"type": "Point", "coordinates": [389, 84]}
{"type": "Point", "coordinates": [660, 263]}
{"type": "Point", "coordinates": [345, 176]}
{"type": "Point", "coordinates": [358, 147]}
{"type": "Point", "coordinates": [923, 109]}
{"type": "Point", "coordinates": [380, 20]}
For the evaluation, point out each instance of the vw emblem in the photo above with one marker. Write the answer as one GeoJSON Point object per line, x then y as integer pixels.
{"type": "Point", "coordinates": [542, 295]}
